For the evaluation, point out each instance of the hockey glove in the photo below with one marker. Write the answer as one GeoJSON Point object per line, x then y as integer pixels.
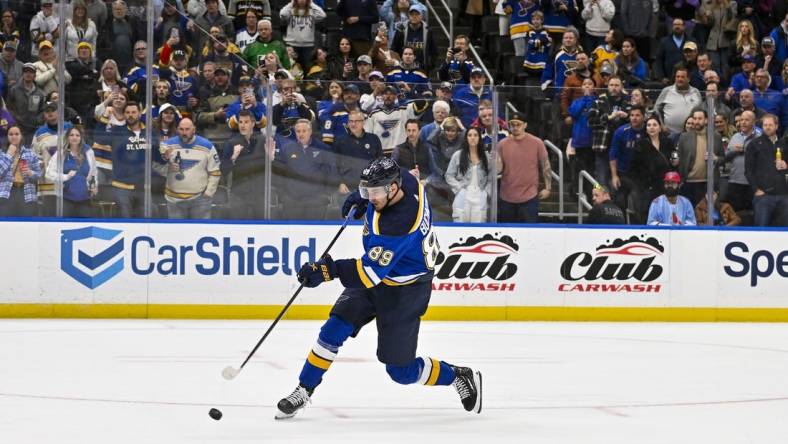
{"type": "Point", "coordinates": [355, 198]}
{"type": "Point", "coordinates": [313, 274]}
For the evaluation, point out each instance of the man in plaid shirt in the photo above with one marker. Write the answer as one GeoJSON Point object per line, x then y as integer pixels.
{"type": "Point", "coordinates": [609, 112]}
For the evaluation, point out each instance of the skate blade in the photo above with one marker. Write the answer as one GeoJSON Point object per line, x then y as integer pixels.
{"type": "Point", "coordinates": [477, 378]}
{"type": "Point", "coordinates": [282, 415]}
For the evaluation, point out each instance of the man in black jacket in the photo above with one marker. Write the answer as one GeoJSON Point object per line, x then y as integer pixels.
{"type": "Point", "coordinates": [670, 52]}
{"type": "Point", "coordinates": [413, 153]}
{"type": "Point", "coordinates": [244, 157]}
{"type": "Point", "coordinates": [81, 92]}
{"type": "Point", "coordinates": [358, 16]}
{"type": "Point", "coordinates": [767, 174]}
{"type": "Point", "coordinates": [604, 211]}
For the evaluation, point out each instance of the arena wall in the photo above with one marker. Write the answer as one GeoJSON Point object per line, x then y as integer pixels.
{"type": "Point", "coordinates": [235, 270]}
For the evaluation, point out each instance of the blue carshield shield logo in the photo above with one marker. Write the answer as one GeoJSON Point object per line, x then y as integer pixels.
{"type": "Point", "coordinates": [93, 269]}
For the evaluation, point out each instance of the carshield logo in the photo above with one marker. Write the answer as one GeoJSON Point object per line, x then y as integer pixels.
{"type": "Point", "coordinates": [86, 266]}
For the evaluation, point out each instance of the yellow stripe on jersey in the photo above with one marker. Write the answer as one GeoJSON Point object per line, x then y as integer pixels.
{"type": "Point", "coordinates": [375, 222]}
{"type": "Point", "coordinates": [317, 361]}
{"type": "Point", "coordinates": [121, 185]}
{"type": "Point", "coordinates": [420, 214]}
{"type": "Point", "coordinates": [520, 28]}
{"type": "Point", "coordinates": [434, 372]}
{"type": "Point", "coordinates": [363, 275]}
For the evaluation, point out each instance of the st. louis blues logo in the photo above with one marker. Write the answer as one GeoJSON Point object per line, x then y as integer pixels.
{"type": "Point", "coordinates": [91, 270]}
{"type": "Point", "coordinates": [387, 126]}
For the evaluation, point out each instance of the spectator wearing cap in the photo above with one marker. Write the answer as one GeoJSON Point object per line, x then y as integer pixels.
{"type": "Point", "coordinates": [690, 57]}
{"type": "Point", "coordinates": [767, 174]}
{"type": "Point", "coordinates": [741, 80]}
{"type": "Point", "coordinates": [671, 208]}
{"type": "Point", "coordinates": [81, 93]}
{"type": "Point", "coordinates": [247, 100]}
{"type": "Point", "coordinates": [670, 51]}
{"type": "Point", "coordinates": [443, 143]}
{"type": "Point", "coordinates": [10, 66]}
{"type": "Point", "coordinates": [302, 17]}
{"type": "Point", "coordinates": [388, 121]}
{"type": "Point", "coordinates": [212, 116]}
{"type": "Point", "coordinates": [165, 125]}
{"type": "Point", "coordinates": [358, 16]}
{"type": "Point", "coordinates": [767, 60]}
{"type": "Point", "coordinates": [363, 70]}
{"type": "Point", "coordinates": [264, 44]}
{"type": "Point", "coordinates": [335, 120]}
{"type": "Point", "coordinates": [675, 103]}
{"type": "Point", "coordinates": [456, 68]}
{"type": "Point", "coordinates": [184, 86]}
{"type": "Point", "coordinates": [212, 16]}
{"type": "Point", "coordinates": [44, 144]}
{"type": "Point", "coordinates": [373, 99]}
{"type": "Point", "coordinates": [719, 19]}
{"type": "Point", "coordinates": [291, 108]}
{"type": "Point", "coordinates": [604, 211]}
{"type": "Point", "coordinates": [239, 9]}
{"type": "Point", "coordinates": [117, 39]}
{"type": "Point", "coordinates": [395, 14]}
{"type": "Point", "coordinates": [69, 113]}
{"type": "Point", "coordinates": [467, 97]}
{"type": "Point", "coordinates": [221, 56]}
{"type": "Point", "coordinates": [26, 100]}
{"type": "Point", "coordinates": [409, 77]}
{"type": "Point", "coordinates": [9, 29]}
{"type": "Point", "coordinates": [44, 27]}
{"type": "Point", "coordinates": [780, 36]}
{"type": "Point", "coordinates": [354, 151]}
{"type": "Point", "coordinates": [79, 28]}
{"type": "Point", "coordinates": [522, 160]}
{"type": "Point", "coordinates": [417, 36]}
{"type": "Point", "coordinates": [47, 76]}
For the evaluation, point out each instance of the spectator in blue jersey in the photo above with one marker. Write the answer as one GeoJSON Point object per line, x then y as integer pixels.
{"type": "Point", "coordinates": [456, 68]}
{"type": "Point", "coordinates": [243, 164]}
{"type": "Point", "coordinates": [332, 96]}
{"type": "Point", "coordinates": [467, 97]}
{"type": "Point", "coordinates": [537, 48]}
{"type": "Point", "coordinates": [45, 141]}
{"type": "Point", "coordinates": [136, 76]}
{"type": "Point", "coordinates": [558, 16]}
{"type": "Point", "coordinates": [741, 80]}
{"type": "Point", "coordinates": [521, 21]}
{"type": "Point", "coordinates": [248, 101]}
{"type": "Point", "coordinates": [309, 175]}
{"type": "Point", "coordinates": [20, 169]}
{"type": "Point", "coordinates": [127, 144]}
{"type": "Point", "coordinates": [78, 174]}
{"type": "Point", "coordinates": [419, 37]}
{"type": "Point", "coordinates": [625, 141]}
{"type": "Point", "coordinates": [409, 77]}
{"type": "Point", "coordinates": [670, 208]}
{"type": "Point", "coordinates": [184, 87]}
{"type": "Point", "coordinates": [354, 151]}
{"type": "Point", "coordinates": [484, 123]}
{"type": "Point", "coordinates": [335, 120]}
{"type": "Point", "coordinates": [554, 73]}
{"type": "Point", "coordinates": [780, 36]}
{"type": "Point", "coordinates": [580, 153]}
{"type": "Point", "coordinates": [358, 16]}
{"type": "Point", "coordinates": [770, 100]}
{"type": "Point", "coordinates": [290, 110]}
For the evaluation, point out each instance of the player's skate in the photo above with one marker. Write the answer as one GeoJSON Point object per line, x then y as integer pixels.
{"type": "Point", "coordinates": [468, 384]}
{"type": "Point", "coordinates": [289, 406]}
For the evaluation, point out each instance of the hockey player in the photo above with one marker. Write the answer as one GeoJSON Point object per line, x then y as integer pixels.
{"type": "Point", "coordinates": [390, 283]}
{"type": "Point", "coordinates": [388, 121]}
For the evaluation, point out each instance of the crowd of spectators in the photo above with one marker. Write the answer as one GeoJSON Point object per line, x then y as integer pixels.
{"type": "Point", "coordinates": [619, 85]}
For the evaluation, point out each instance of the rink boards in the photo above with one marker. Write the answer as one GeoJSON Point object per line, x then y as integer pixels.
{"type": "Point", "coordinates": [163, 269]}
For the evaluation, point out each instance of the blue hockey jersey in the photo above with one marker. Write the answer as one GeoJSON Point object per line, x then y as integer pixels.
{"type": "Point", "coordinates": [399, 243]}
{"type": "Point", "coordinates": [520, 12]}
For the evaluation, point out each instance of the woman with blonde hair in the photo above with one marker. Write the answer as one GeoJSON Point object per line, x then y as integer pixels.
{"type": "Point", "coordinates": [109, 79]}
{"type": "Point", "coordinates": [80, 28]}
{"type": "Point", "coordinates": [746, 43]}
{"type": "Point", "coordinates": [78, 174]}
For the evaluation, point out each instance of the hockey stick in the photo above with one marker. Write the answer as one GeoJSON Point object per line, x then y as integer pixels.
{"type": "Point", "coordinates": [230, 372]}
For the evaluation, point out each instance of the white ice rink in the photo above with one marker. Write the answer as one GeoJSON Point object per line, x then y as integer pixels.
{"type": "Point", "coordinates": [153, 382]}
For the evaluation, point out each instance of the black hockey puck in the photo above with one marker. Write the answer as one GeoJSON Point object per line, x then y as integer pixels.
{"type": "Point", "coordinates": [215, 414]}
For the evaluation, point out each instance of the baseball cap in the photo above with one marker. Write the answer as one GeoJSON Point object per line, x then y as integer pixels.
{"type": "Point", "coordinates": [767, 41]}
{"type": "Point", "coordinates": [517, 116]}
{"type": "Point", "coordinates": [178, 53]}
{"type": "Point", "coordinates": [45, 44]}
{"type": "Point", "coordinates": [607, 68]}
{"type": "Point", "coordinates": [414, 8]}
{"type": "Point", "coordinates": [282, 74]}
{"type": "Point", "coordinates": [167, 106]}
{"type": "Point", "coordinates": [364, 59]}
{"type": "Point", "coordinates": [50, 106]}
{"type": "Point", "coordinates": [377, 74]}
{"type": "Point", "coordinates": [748, 59]}
{"type": "Point", "coordinates": [10, 45]}
{"type": "Point", "coordinates": [29, 66]}
{"type": "Point", "coordinates": [477, 71]}
{"type": "Point", "coordinates": [690, 46]}
{"type": "Point", "coordinates": [446, 85]}
{"type": "Point", "coordinates": [245, 80]}
{"type": "Point", "coordinates": [351, 88]}
{"type": "Point", "coordinates": [391, 88]}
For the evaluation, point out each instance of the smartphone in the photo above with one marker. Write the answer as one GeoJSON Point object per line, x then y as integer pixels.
{"type": "Point", "coordinates": [176, 33]}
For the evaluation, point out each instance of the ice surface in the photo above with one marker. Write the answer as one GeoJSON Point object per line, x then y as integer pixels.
{"type": "Point", "coordinates": [151, 382]}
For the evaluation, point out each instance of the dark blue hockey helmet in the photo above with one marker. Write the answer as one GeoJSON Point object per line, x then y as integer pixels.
{"type": "Point", "coordinates": [378, 176]}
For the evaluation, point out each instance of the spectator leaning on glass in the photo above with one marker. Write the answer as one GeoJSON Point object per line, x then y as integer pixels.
{"type": "Point", "coordinates": [692, 148]}
{"type": "Point", "coordinates": [468, 175]}
{"type": "Point", "coordinates": [522, 159]}
{"type": "Point", "coordinates": [670, 208]}
{"type": "Point", "coordinates": [192, 172]}
{"type": "Point", "coordinates": [19, 172]}
{"type": "Point", "coordinates": [354, 151]}
{"type": "Point", "coordinates": [767, 174]}
{"type": "Point", "coordinates": [622, 150]}
{"type": "Point", "coordinates": [127, 144]}
{"type": "Point", "coordinates": [243, 169]}
{"type": "Point", "coordinates": [738, 192]}
{"type": "Point", "coordinates": [78, 175]}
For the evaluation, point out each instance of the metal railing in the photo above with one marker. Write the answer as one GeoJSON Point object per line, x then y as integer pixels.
{"type": "Point", "coordinates": [582, 202]}
{"type": "Point", "coordinates": [559, 178]}
{"type": "Point", "coordinates": [481, 64]}
{"type": "Point", "coordinates": [449, 32]}
{"type": "Point", "coordinates": [509, 107]}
